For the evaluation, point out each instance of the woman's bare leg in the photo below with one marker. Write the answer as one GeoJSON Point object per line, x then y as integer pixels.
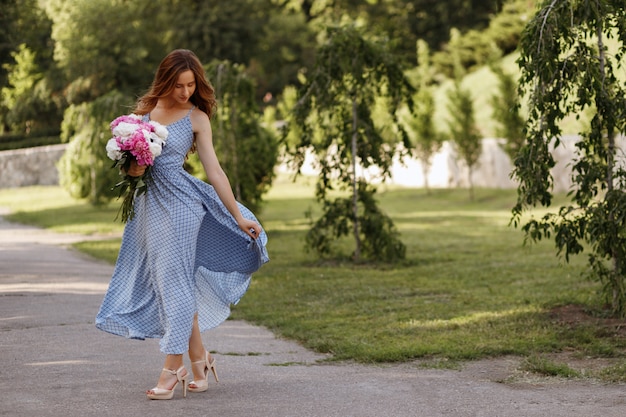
{"type": "Point", "coordinates": [167, 380]}
{"type": "Point", "coordinates": [197, 351]}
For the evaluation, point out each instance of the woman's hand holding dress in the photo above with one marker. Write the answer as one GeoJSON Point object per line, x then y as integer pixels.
{"type": "Point", "coordinates": [251, 228]}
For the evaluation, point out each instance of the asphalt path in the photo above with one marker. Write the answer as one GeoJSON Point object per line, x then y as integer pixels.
{"type": "Point", "coordinates": [56, 363]}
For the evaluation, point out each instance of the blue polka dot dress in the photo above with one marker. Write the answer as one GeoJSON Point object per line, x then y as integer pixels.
{"type": "Point", "coordinates": [182, 253]}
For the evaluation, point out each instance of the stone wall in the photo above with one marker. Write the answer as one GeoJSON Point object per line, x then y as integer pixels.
{"type": "Point", "coordinates": [30, 166]}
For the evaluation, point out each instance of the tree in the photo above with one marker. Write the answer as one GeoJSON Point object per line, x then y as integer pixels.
{"type": "Point", "coordinates": [97, 55]}
{"type": "Point", "coordinates": [335, 113]}
{"type": "Point", "coordinates": [286, 47]}
{"type": "Point", "coordinates": [427, 139]}
{"type": "Point", "coordinates": [462, 124]}
{"type": "Point", "coordinates": [247, 151]}
{"type": "Point", "coordinates": [433, 20]}
{"type": "Point", "coordinates": [31, 103]}
{"type": "Point", "coordinates": [507, 26]}
{"type": "Point", "coordinates": [567, 68]}
{"type": "Point", "coordinates": [403, 22]}
{"type": "Point", "coordinates": [506, 113]}
{"type": "Point", "coordinates": [85, 171]}
{"type": "Point", "coordinates": [114, 57]}
{"type": "Point", "coordinates": [103, 63]}
{"type": "Point", "coordinates": [25, 97]}
{"type": "Point", "coordinates": [221, 30]}
{"type": "Point", "coordinates": [273, 44]}
{"type": "Point", "coordinates": [8, 19]}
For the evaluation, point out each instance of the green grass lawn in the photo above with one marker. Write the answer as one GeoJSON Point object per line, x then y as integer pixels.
{"type": "Point", "coordinates": [468, 289]}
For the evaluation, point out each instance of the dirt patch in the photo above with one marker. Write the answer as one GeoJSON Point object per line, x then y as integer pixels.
{"type": "Point", "coordinates": [513, 370]}
{"type": "Point", "coordinates": [575, 315]}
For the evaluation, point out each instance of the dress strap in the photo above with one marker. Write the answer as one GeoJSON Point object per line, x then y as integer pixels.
{"type": "Point", "coordinates": [190, 110]}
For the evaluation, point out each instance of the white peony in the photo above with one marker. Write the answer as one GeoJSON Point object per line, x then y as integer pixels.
{"type": "Point", "coordinates": [113, 150]}
{"type": "Point", "coordinates": [124, 129]}
{"type": "Point", "coordinates": [155, 149]}
{"type": "Point", "coordinates": [154, 138]}
{"type": "Point", "coordinates": [146, 134]}
{"type": "Point", "coordinates": [160, 130]}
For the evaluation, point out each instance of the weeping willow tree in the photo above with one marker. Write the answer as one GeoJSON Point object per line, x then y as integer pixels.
{"type": "Point", "coordinates": [335, 114]}
{"type": "Point", "coordinates": [568, 69]}
{"type": "Point", "coordinates": [85, 170]}
{"type": "Point", "coordinates": [247, 151]}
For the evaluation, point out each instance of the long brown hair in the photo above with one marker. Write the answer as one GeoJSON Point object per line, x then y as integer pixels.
{"type": "Point", "coordinates": [176, 62]}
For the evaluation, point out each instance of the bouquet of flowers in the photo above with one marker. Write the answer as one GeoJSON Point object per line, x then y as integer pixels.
{"type": "Point", "coordinates": [134, 139]}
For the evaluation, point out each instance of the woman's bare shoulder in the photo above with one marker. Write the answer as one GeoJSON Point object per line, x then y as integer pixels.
{"type": "Point", "coordinates": [200, 120]}
{"type": "Point", "coordinates": [199, 115]}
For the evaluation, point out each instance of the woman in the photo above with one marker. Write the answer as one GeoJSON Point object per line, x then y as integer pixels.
{"type": "Point", "coordinates": [190, 249]}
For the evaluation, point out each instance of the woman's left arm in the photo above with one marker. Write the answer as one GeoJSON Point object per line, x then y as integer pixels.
{"type": "Point", "coordinates": [215, 173]}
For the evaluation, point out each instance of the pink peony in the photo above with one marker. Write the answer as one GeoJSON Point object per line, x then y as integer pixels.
{"type": "Point", "coordinates": [143, 141]}
{"type": "Point", "coordinates": [131, 118]}
{"type": "Point", "coordinates": [142, 153]}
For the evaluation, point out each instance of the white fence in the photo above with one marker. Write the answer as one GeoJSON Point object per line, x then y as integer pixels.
{"type": "Point", "coordinates": [493, 169]}
{"type": "Point", "coordinates": [37, 166]}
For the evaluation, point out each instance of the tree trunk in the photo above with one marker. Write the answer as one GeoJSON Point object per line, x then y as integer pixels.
{"type": "Point", "coordinates": [228, 138]}
{"type": "Point", "coordinates": [233, 147]}
{"type": "Point", "coordinates": [470, 182]}
{"type": "Point", "coordinates": [355, 191]}
{"type": "Point", "coordinates": [425, 169]}
{"type": "Point", "coordinates": [618, 280]}
{"type": "Point", "coordinates": [92, 171]}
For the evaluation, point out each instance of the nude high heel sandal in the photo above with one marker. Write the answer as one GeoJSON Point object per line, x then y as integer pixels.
{"type": "Point", "coordinates": [201, 386]}
{"type": "Point", "coordinates": [157, 393]}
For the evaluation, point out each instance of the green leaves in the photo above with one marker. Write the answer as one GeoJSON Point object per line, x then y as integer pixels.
{"type": "Point", "coordinates": [378, 237]}
{"type": "Point", "coordinates": [248, 152]}
{"type": "Point", "coordinates": [351, 70]}
{"type": "Point", "coordinates": [335, 112]}
{"type": "Point", "coordinates": [85, 170]}
{"type": "Point", "coordinates": [506, 113]}
{"type": "Point", "coordinates": [568, 69]}
{"type": "Point", "coordinates": [107, 44]}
